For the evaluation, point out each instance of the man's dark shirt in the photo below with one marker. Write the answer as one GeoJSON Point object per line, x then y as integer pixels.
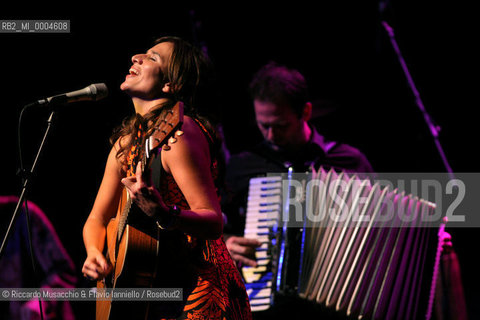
{"type": "Point", "coordinates": [263, 159]}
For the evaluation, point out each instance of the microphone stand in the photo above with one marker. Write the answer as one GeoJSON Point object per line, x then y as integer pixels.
{"type": "Point", "coordinates": [434, 129]}
{"type": "Point", "coordinates": [26, 181]}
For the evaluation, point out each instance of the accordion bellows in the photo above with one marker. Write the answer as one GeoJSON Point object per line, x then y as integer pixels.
{"type": "Point", "coordinates": [357, 249]}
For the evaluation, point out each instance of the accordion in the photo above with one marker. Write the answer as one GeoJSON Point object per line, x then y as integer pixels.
{"type": "Point", "coordinates": [355, 248]}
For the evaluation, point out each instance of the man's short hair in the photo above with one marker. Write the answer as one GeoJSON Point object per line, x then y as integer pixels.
{"type": "Point", "coordinates": [281, 86]}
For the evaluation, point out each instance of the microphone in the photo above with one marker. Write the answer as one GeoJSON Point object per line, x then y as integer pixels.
{"type": "Point", "coordinates": [93, 92]}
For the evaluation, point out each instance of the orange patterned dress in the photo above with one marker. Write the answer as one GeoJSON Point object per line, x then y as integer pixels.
{"type": "Point", "coordinates": [212, 286]}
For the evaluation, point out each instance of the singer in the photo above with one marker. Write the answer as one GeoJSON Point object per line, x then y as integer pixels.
{"type": "Point", "coordinates": [178, 204]}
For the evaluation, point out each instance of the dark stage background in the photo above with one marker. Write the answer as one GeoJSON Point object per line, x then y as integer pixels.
{"type": "Point", "coordinates": [358, 88]}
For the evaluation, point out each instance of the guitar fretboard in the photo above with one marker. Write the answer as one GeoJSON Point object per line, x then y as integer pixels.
{"type": "Point", "coordinates": [122, 222]}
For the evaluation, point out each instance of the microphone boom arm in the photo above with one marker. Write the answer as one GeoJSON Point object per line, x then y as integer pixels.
{"type": "Point", "coordinates": [434, 129]}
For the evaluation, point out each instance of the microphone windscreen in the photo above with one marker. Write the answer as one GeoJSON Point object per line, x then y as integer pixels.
{"type": "Point", "coordinates": [99, 90]}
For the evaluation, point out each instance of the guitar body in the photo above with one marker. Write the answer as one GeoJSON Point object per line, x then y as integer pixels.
{"type": "Point", "coordinates": [134, 259]}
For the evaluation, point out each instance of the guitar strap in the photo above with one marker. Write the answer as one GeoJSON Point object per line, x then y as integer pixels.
{"type": "Point", "coordinates": [156, 169]}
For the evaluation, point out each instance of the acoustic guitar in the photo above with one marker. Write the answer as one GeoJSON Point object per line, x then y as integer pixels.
{"type": "Point", "coordinates": [132, 240]}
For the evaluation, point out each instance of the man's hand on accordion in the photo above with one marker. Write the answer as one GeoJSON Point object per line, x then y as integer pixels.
{"type": "Point", "coordinates": [242, 250]}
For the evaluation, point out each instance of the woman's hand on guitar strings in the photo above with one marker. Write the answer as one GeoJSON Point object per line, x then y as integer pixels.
{"type": "Point", "coordinates": [96, 267]}
{"type": "Point", "coordinates": [146, 196]}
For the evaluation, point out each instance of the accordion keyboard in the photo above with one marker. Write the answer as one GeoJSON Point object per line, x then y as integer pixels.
{"type": "Point", "coordinates": [263, 210]}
